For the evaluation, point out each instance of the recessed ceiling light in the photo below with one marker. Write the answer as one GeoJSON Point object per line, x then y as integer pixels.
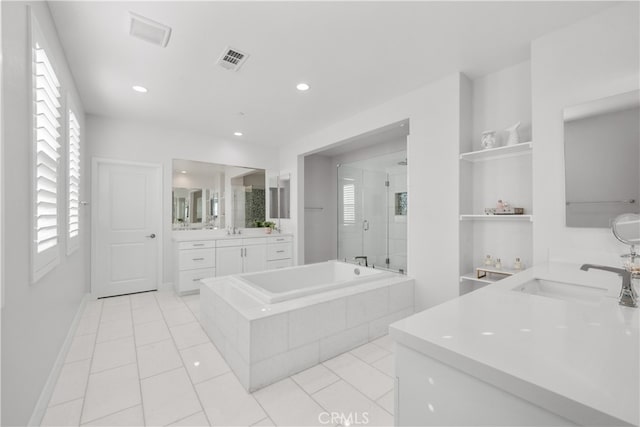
{"type": "Point", "coordinates": [302, 87]}
{"type": "Point", "coordinates": [140, 89]}
{"type": "Point", "coordinates": [237, 133]}
{"type": "Point", "coordinates": [183, 171]}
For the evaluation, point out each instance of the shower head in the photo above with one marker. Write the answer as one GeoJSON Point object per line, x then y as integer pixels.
{"type": "Point", "coordinates": [403, 162]}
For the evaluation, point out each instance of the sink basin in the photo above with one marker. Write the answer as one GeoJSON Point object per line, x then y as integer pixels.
{"type": "Point", "coordinates": [562, 290]}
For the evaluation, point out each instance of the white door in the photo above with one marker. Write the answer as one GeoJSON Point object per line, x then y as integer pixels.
{"type": "Point", "coordinates": [229, 260]}
{"type": "Point", "coordinates": [255, 258]}
{"type": "Point", "coordinates": [126, 215]}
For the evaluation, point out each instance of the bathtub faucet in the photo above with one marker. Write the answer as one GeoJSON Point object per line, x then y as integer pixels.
{"type": "Point", "coordinates": [366, 264]}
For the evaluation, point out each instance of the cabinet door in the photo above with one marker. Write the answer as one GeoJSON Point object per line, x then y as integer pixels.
{"type": "Point", "coordinates": [229, 260]}
{"type": "Point", "coordinates": [255, 258]}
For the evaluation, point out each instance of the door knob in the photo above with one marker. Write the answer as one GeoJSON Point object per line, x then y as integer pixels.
{"type": "Point", "coordinates": [152, 236]}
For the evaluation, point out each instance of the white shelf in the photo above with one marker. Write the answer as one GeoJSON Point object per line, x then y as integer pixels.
{"type": "Point", "coordinates": [481, 217]}
{"type": "Point", "coordinates": [497, 153]}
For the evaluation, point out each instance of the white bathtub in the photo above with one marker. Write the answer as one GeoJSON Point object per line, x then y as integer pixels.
{"type": "Point", "coordinates": [273, 324]}
{"type": "Point", "coordinates": [281, 285]}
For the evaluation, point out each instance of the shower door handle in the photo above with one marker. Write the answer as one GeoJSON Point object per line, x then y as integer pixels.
{"type": "Point", "coordinates": [365, 225]}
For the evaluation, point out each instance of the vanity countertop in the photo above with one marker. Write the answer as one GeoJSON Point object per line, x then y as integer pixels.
{"type": "Point", "coordinates": [578, 359]}
{"type": "Point", "coordinates": [193, 235]}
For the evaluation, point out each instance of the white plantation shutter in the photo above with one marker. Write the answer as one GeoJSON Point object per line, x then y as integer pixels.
{"type": "Point", "coordinates": [73, 184]}
{"type": "Point", "coordinates": [47, 124]}
{"type": "Point", "coordinates": [349, 203]}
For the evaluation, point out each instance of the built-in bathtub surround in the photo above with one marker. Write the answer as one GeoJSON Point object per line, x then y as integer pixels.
{"type": "Point", "coordinates": [265, 342]}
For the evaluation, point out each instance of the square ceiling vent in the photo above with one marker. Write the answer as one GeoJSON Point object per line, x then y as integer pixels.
{"type": "Point", "coordinates": [232, 59]}
{"type": "Point", "coordinates": [148, 30]}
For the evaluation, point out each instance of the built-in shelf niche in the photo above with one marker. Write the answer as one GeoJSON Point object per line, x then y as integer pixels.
{"type": "Point", "coordinates": [486, 176]}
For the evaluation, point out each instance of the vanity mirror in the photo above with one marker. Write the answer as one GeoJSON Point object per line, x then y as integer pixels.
{"type": "Point", "coordinates": [626, 228]}
{"type": "Point", "coordinates": [216, 196]}
{"type": "Point", "coordinates": [279, 196]}
{"type": "Point", "coordinates": [602, 160]}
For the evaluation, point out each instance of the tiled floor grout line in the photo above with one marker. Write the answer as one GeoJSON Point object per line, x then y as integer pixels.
{"type": "Point", "coordinates": [358, 389]}
{"type": "Point", "coordinates": [86, 386]}
{"type": "Point", "coordinates": [190, 415]}
{"type": "Point", "coordinates": [367, 362]}
{"type": "Point", "coordinates": [193, 386]}
{"type": "Point", "coordinates": [135, 349]}
{"type": "Point", "coordinates": [108, 415]}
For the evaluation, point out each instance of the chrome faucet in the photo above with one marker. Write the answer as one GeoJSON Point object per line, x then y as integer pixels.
{"type": "Point", "coordinates": [366, 264]}
{"type": "Point", "coordinates": [628, 296]}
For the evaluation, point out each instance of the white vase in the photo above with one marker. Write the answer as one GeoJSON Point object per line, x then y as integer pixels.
{"type": "Point", "coordinates": [513, 138]}
{"type": "Point", "coordinates": [488, 139]}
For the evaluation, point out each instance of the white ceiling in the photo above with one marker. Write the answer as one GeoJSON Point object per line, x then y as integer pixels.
{"type": "Point", "coordinates": [353, 54]}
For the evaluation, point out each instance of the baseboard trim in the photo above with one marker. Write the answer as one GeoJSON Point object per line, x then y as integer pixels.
{"type": "Point", "coordinates": [47, 391]}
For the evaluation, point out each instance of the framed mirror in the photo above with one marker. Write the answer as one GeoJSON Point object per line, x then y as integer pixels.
{"type": "Point", "coordinates": [602, 160]}
{"type": "Point", "coordinates": [216, 196]}
{"type": "Point", "coordinates": [280, 196]}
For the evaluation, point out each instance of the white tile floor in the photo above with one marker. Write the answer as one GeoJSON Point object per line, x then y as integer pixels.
{"type": "Point", "coordinates": [145, 360]}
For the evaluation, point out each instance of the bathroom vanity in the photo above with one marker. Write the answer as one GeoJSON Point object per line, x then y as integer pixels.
{"type": "Point", "coordinates": [549, 346]}
{"type": "Point", "coordinates": [202, 254]}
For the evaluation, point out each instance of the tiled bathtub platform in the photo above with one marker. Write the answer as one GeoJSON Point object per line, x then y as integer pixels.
{"type": "Point", "coordinates": [263, 343]}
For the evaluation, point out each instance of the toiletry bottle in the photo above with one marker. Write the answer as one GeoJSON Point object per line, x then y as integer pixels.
{"type": "Point", "coordinates": [498, 265]}
{"type": "Point", "coordinates": [518, 264]}
{"type": "Point", "coordinates": [488, 261]}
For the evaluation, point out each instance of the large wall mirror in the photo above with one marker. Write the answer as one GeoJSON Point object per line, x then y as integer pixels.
{"type": "Point", "coordinates": [280, 196]}
{"type": "Point", "coordinates": [602, 160]}
{"type": "Point", "coordinates": [215, 196]}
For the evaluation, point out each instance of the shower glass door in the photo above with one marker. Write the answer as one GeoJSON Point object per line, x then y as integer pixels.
{"type": "Point", "coordinates": [363, 215]}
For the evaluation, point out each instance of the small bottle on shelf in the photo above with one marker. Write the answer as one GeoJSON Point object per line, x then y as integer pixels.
{"type": "Point", "coordinates": [488, 261]}
{"type": "Point", "coordinates": [498, 264]}
{"type": "Point", "coordinates": [517, 265]}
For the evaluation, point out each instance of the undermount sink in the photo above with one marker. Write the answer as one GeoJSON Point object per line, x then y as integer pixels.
{"type": "Point", "coordinates": [562, 290]}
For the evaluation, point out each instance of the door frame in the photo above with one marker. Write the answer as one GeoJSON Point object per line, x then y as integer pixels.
{"type": "Point", "coordinates": [95, 163]}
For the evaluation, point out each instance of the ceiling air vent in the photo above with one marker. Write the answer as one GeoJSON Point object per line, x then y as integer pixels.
{"type": "Point", "coordinates": [232, 59]}
{"type": "Point", "coordinates": [148, 30]}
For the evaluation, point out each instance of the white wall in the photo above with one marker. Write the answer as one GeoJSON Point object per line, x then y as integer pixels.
{"type": "Point", "coordinates": [433, 148]}
{"type": "Point", "coordinates": [122, 140]}
{"type": "Point", "coordinates": [589, 60]}
{"type": "Point", "coordinates": [320, 209]}
{"type": "Point", "coordinates": [36, 317]}
{"type": "Point", "coordinates": [500, 100]}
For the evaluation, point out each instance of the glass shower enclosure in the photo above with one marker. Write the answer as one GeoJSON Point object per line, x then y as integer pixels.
{"type": "Point", "coordinates": [372, 212]}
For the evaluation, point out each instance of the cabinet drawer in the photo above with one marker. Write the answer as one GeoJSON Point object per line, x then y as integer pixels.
{"type": "Point", "coordinates": [191, 259]}
{"type": "Point", "coordinates": [190, 280]}
{"type": "Point", "coordinates": [279, 239]}
{"type": "Point", "coordinates": [197, 244]}
{"type": "Point", "coordinates": [225, 243]}
{"type": "Point", "coordinates": [254, 241]}
{"type": "Point", "coordinates": [281, 263]}
{"type": "Point", "coordinates": [279, 251]}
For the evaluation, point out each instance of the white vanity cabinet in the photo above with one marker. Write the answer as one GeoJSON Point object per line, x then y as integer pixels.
{"type": "Point", "coordinates": [279, 252]}
{"type": "Point", "coordinates": [194, 260]}
{"type": "Point", "coordinates": [199, 255]}
{"type": "Point", "coordinates": [235, 256]}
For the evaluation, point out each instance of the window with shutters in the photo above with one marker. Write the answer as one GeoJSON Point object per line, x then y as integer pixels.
{"type": "Point", "coordinates": [73, 183]}
{"type": "Point", "coordinates": [348, 202]}
{"type": "Point", "coordinates": [46, 131]}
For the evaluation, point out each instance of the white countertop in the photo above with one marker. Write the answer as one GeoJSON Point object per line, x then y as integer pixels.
{"type": "Point", "coordinates": [577, 359]}
{"type": "Point", "coordinates": [193, 235]}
